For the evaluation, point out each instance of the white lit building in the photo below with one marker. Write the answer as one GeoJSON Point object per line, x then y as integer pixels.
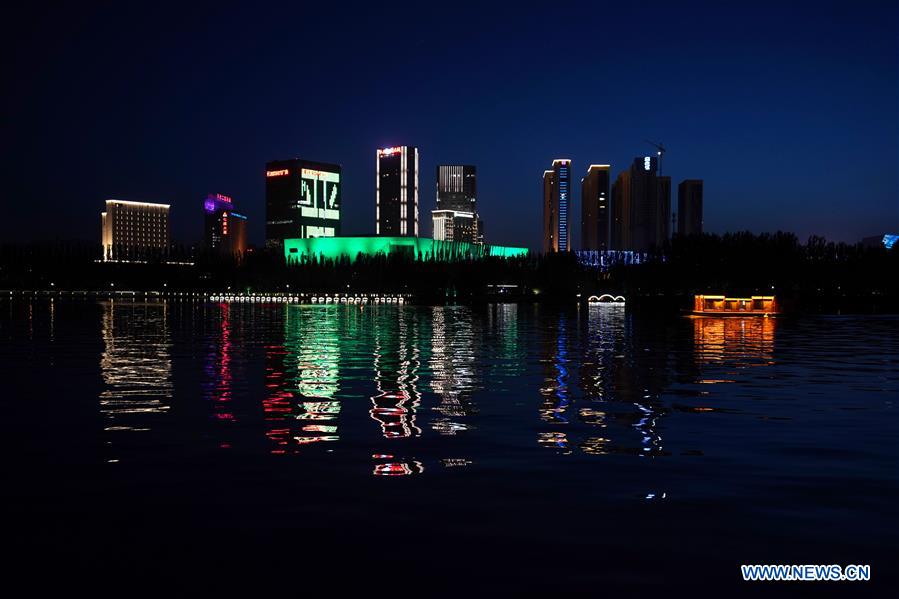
{"type": "Point", "coordinates": [134, 231]}
{"type": "Point", "coordinates": [454, 225]}
{"type": "Point", "coordinates": [396, 199]}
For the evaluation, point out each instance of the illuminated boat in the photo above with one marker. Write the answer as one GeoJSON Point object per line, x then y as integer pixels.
{"type": "Point", "coordinates": [719, 305]}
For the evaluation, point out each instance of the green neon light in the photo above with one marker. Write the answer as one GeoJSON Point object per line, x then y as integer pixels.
{"type": "Point", "coordinates": [423, 248]}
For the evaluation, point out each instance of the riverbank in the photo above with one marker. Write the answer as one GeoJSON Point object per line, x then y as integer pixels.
{"type": "Point", "coordinates": [663, 305]}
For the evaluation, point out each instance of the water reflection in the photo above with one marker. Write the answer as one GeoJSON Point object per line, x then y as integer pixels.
{"type": "Point", "coordinates": [555, 389]}
{"type": "Point", "coordinates": [396, 365]}
{"type": "Point", "coordinates": [302, 379]}
{"type": "Point", "coordinates": [406, 468]}
{"type": "Point", "coordinates": [423, 375]}
{"type": "Point", "coordinates": [736, 341]}
{"type": "Point", "coordinates": [136, 365]}
{"type": "Point", "coordinates": [219, 375]}
{"type": "Point", "coordinates": [602, 365]}
{"type": "Point", "coordinates": [452, 367]}
{"type": "Point", "coordinates": [615, 404]}
{"type": "Point", "coordinates": [503, 326]}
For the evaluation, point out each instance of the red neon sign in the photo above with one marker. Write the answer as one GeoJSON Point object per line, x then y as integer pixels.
{"type": "Point", "coordinates": [278, 173]}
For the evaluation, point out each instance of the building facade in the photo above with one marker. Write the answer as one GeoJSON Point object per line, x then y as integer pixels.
{"type": "Point", "coordinates": [225, 230]}
{"type": "Point", "coordinates": [689, 207]}
{"type": "Point", "coordinates": [641, 207]}
{"type": "Point", "coordinates": [418, 248]}
{"type": "Point", "coordinates": [595, 208]}
{"type": "Point", "coordinates": [453, 225]}
{"type": "Point", "coordinates": [556, 199]}
{"type": "Point", "coordinates": [457, 187]}
{"type": "Point", "coordinates": [396, 199]}
{"type": "Point", "coordinates": [302, 199]}
{"type": "Point", "coordinates": [456, 217]}
{"type": "Point", "coordinates": [134, 231]}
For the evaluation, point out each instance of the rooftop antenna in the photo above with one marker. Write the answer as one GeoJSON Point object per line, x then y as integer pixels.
{"type": "Point", "coordinates": [660, 151]}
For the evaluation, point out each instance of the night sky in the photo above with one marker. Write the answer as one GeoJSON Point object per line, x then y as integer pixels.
{"type": "Point", "coordinates": [790, 115]}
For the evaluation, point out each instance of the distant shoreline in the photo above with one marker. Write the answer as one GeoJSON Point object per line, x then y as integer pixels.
{"type": "Point", "coordinates": [663, 306]}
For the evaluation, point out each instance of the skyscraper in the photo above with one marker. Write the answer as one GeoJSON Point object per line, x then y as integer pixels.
{"type": "Point", "coordinates": [556, 196]}
{"type": "Point", "coordinates": [396, 207]}
{"type": "Point", "coordinates": [457, 187]}
{"type": "Point", "coordinates": [662, 221]}
{"type": "Point", "coordinates": [689, 207]}
{"type": "Point", "coordinates": [621, 211]}
{"type": "Point", "coordinates": [302, 199]}
{"type": "Point", "coordinates": [456, 217]}
{"type": "Point", "coordinates": [134, 230]}
{"type": "Point", "coordinates": [226, 230]}
{"type": "Point", "coordinates": [595, 208]}
{"type": "Point", "coordinates": [641, 206]}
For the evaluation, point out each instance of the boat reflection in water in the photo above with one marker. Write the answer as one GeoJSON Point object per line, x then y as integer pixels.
{"type": "Point", "coordinates": [734, 341]}
{"type": "Point", "coordinates": [136, 365]}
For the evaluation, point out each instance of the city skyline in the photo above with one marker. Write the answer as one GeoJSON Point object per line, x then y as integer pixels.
{"type": "Point", "coordinates": [755, 104]}
{"type": "Point", "coordinates": [512, 299]}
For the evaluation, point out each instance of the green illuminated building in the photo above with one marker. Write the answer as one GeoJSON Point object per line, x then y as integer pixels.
{"type": "Point", "coordinates": [422, 248]}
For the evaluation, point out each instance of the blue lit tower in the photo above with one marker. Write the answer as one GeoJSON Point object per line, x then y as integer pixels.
{"type": "Point", "coordinates": [556, 198]}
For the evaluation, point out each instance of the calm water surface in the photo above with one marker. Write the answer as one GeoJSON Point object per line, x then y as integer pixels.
{"type": "Point", "coordinates": [423, 450]}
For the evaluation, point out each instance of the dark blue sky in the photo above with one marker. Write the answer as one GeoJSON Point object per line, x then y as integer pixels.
{"type": "Point", "coordinates": [790, 114]}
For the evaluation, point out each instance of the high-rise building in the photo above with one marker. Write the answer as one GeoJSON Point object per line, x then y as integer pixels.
{"type": "Point", "coordinates": [595, 208]}
{"type": "Point", "coordinates": [689, 207]}
{"type": "Point", "coordinates": [456, 217]}
{"type": "Point", "coordinates": [455, 225]}
{"type": "Point", "coordinates": [641, 206]}
{"type": "Point", "coordinates": [556, 198]}
{"type": "Point", "coordinates": [457, 187]}
{"type": "Point", "coordinates": [134, 230]}
{"type": "Point", "coordinates": [302, 199]}
{"type": "Point", "coordinates": [226, 230]}
{"type": "Point", "coordinates": [396, 199]}
{"type": "Point", "coordinates": [662, 222]}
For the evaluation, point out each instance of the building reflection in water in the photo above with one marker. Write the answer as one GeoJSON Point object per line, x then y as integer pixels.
{"type": "Point", "coordinates": [219, 375]}
{"type": "Point", "coordinates": [136, 365]}
{"type": "Point", "coordinates": [614, 406]}
{"type": "Point", "coordinates": [502, 324]}
{"type": "Point", "coordinates": [555, 390]}
{"type": "Point", "coordinates": [396, 365]}
{"type": "Point", "coordinates": [405, 468]}
{"type": "Point", "coordinates": [734, 341]}
{"type": "Point", "coordinates": [602, 371]}
{"type": "Point", "coordinates": [452, 366]}
{"type": "Point", "coordinates": [639, 377]}
{"type": "Point", "coordinates": [302, 379]}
